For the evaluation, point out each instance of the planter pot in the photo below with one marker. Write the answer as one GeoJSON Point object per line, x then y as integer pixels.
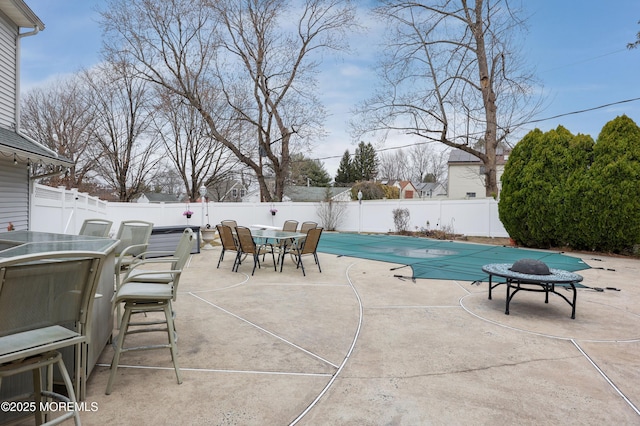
{"type": "Point", "coordinates": [273, 213]}
{"type": "Point", "coordinates": [188, 216]}
{"type": "Point", "coordinates": [208, 237]}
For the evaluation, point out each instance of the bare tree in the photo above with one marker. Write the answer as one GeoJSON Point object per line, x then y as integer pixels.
{"type": "Point", "coordinates": [168, 180]}
{"type": "Point", "coordinates": [59, 117]}
{"type": "Point", "coordinates": [427, 163]}
{"type": "Point", "coordinates": [393, 165]}
{"type": "Point", "coordinates": [123, 111]}
{"type": "Point", "coordinates": [259, 56]}
{"type": "Point", "coordinates": [452, 75]}
{"type": "Point", "coordinates": [199, 158]}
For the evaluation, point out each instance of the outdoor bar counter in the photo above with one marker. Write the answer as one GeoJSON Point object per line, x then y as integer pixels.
{"type": "Point", "coordinates": [18, 243]}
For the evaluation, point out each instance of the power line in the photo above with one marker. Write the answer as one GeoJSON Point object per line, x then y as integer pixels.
{"type": "Point", "coordinates": [521, 124]}
{"type": "Point", "coordinates": [581, 111]}
{"type": "Point", "coordinates": [593, 58]}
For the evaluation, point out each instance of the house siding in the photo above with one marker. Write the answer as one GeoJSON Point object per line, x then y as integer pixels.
{"type": "Point", "coordinates": [8, 82]}
{"type": "Point", "coordinates": [468, 178]}
{"type": "Point", "coordinates": [14, 193]}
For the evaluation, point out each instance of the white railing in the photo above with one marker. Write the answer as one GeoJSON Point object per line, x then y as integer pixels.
{"type": "Point", "coordinates": [61, 211]}
{"type": "Point", "coordinates": [57, 210]}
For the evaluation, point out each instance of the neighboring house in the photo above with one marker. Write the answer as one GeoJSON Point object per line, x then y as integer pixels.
{"type": "Point", "coordinates": [466, 174]}
{"type": "Point", "coordinates": [301, 194]}
{"type": "Point", "coordinates": [430, 190]}
{"type": "Point", "coordinates": [407, 189]}
{"type": "Point", "coordinates": [158, 197]}
{"type": "Point", "coordinates": [22, 160]}
{"type": "Point", "coordinates": [229, 191]}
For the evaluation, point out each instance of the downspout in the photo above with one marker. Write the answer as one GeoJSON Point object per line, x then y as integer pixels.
{"type": "Point", "coordinates": [20, 36]}
{"type": "Point", "coordinates": [36, 30]}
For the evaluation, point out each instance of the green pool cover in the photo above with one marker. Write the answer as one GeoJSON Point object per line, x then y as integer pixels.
{"type": "Point", "coordinates": [436, 259]}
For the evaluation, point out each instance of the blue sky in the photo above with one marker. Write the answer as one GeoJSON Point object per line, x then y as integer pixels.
{"type": "Point", "coordinates": [577, 47]}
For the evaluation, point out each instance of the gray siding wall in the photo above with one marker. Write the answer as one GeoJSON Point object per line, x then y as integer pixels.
{"type": "Point", "coordinates": [8, 82]}
{"type": "Point", "coordinates": [14, 195]}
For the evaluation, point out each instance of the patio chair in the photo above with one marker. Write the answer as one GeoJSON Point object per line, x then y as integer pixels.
{"type": "Point", "coordinates": [248, 246]}
{"type": "Point", "coordinates": [306, 226]}
{"type": "Point", "coordinates": [96, 227]}
{"type": "Point", "coordinates": [134, 240]}
{"type": "Point", "coordinates": [290, 225]}
{"type": "Point", "coordinates": [147, 290]}
{"type": "Point", "coordinates": [229, 243]}
{"type": "Point", "coordinates": [307, 247]}
{"type": "Point", "coordinates": [174, 259]}
{"type": "Point", "coordinates": [283, 245]}
{"type": "Point", "coordinates": [230, 223]}
{"type": "Point", "coordinates": [40, 296]}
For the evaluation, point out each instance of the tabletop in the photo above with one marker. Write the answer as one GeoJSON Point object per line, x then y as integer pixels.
{"type": "Point", "coordinates": [18, 243]}
{"type": "Point", "coordinates": [556, 275]}
{"type": "Point", "coordinates": [275, 234]}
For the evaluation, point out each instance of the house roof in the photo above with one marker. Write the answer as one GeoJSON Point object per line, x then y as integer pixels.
{"type": "Point", "coordinates": [312, 193]}
{"type": "Point", "coordinates": [21, 14]}
{"type": "Point", "coordinates": [158, 197]}
{"type": "Point", "coordinates": [405, 183]}
{"type": "Point", "coordinates": [426, 186]}
{"type": "Point", "coordinates": [433, 188]}
{"type": "Point", "coordinates": [12, 143]}
{"type": "Point", "coordinates": [460, 156]}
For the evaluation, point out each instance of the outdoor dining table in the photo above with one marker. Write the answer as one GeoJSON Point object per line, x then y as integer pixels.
{"type": "Point", "coordinates": [517, 281]}
{"type": "Point", "coordinates": [287, 238]}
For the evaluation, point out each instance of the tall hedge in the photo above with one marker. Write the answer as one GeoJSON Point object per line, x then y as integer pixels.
{"type": "Point", "coordinates": [614, 179]}
{"type": "Point", "coordinates": [564, 190]}
{"type": "Point", "coordinates": [532, 203]}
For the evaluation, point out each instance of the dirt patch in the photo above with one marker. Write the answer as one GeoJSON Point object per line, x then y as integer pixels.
{"type": "Point", "coordinates": [498, 241]}
{"type": "Point", "coordinates": [442, 235]}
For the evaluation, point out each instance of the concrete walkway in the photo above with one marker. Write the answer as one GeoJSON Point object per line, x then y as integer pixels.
{"type": "Point", "coordinates": [355, 345]}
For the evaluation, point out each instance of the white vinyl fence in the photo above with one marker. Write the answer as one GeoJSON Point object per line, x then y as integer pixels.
{"type": "Point", "coordinates": [61, 211]}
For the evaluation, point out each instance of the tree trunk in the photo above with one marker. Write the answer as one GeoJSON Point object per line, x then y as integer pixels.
{"type": "Point", "coordinates": [489, 101]}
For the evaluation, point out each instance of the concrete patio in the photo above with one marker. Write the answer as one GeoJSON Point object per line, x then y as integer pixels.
{"type": "Point", "coordinates": [355, 345]}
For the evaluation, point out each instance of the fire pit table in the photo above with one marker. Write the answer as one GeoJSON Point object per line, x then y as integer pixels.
{"type": "Point", "coordinates": [532, 276]}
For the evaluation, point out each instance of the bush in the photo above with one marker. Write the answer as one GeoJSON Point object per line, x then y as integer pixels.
{"type": "Point", "coordinates": [564, 190]}
{"type": "Point", "coordinates": [374, 191]}
{"type": "Point", "coordinates": [532, 203]}
{"type": "Point", "coordinates": [401, 220]}
{"type": "Point", "coordinates": [331, 213]}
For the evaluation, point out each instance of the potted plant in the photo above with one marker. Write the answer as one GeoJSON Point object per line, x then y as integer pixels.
{"type": "Point", "coordinates": [187, 213]}
{"type": "Point", "coordinates": [208, 236]}
{"type": "Point", "coordinates": [273, 211]}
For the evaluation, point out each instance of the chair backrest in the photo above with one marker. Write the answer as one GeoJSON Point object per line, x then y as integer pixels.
{"type": "Point", "coordinates": [182, 253]}
{"type": "Point", "coordinates": [183, 250]}
{"type": "Point", "coordinates": [54, 288]}
{"type": "Point", "coordinates": [311, 242]}
{"type": "Point", "coordinates": [96, 227]}
{"type": "Point", "coordinates": [290, 225]}
{"type": "Point", "coordinates": [230, 223]}
{"type": "Point", "coordinates": [132, 233]}
{"type": "Point", "coordinates": [307, 225]}
{"type": "Point", "coordinates": [247, 244]}
{"type": "Point", "coordinates": [226, 237]}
